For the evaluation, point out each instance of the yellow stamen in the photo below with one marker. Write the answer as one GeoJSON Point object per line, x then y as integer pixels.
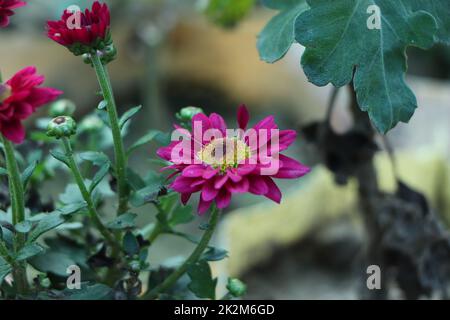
{"type": "Point", "coordinates": [224, 153]}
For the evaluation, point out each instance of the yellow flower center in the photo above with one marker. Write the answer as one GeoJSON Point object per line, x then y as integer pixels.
{"type": "Point", "coordinates": [224, 153]}
{"type": "Point", "coordinates": [5, 92]}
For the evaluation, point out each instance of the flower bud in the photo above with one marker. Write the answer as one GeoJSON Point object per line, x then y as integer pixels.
{"type": "Point", "coordinates": [62, 126]}
{"type": "Point", "coordinates": [63, 107]}
{"type": "Point", "coordinates": [186, 114]}
{"type": "Point", "coordinates": [236, 287]}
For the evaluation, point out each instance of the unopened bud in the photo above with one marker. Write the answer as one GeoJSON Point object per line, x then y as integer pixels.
{"type": "Point", "coordinates": [62, 126]}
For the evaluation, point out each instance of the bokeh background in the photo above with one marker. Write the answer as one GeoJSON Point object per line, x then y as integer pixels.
{"type": "Point", "coordinates": [171, 55]}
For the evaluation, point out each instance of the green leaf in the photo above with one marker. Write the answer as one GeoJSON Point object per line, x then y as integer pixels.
{"type": "Point", "coordinates": [440, 9]}
{"type": "Point", "coordinates": [72, 208]}
{"type": "Point", "coordinates": [97, 158]}
{"type": "Point", "coordinates": [146, 195]}
{"type": "Point", "coordinates": [60, 157]}
{"type": "Point", "coordinates": [29, 251]}
{"type": "Point", "coordinates": [148, 137]}
{"type": "Point", "coordinates": [98, 177]}
{"type": "Point", "coordinates": [5, 269]}
{"type": "Point", "coordinates": [228, 13]}
{"type": "Point", "coordinates": [278, 35]}
{"type": "Point", "coordinates": [181, 215]}
{"type": "Point", "coordinates": [3, 172]}
{"type": "Point", "coordinates": [340, 48]}
{"type": "Point", "coordinates": [124, 221]}
{"type": "Point", "coordinates": [50, 222]}
{"type": "Point", "coordinates": [128, 115]}
{"type": "Point", "coordinates": [130, 244]}
{"type": "Point", "coordinates": [102, 105]}
{"type": "Point", "coordinates": [135, 180]}
{"type": "Point", "coordinates": [202, 284]}
{"type": "Point", "coordinates": [214, 254]}
{"type": "Point", "coordinates": [27, 173]}
{"type": "Point", "coordinates": [24, 226]}
{"type": "Point", "coordinates": [90, 292]}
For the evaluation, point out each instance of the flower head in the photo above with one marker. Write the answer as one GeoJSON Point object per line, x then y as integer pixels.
{"type": "Point", "coordinates": [218, 162]}
{"type": "Point", "coordinates": [20, 96]}
{"type": "Point", "coordinates": [82, 32]}
{"type": "Point", "coordinates": [6, 10]}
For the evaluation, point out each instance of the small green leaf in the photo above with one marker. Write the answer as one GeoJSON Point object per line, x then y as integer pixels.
{"type": "Point", "coordinates": [214, 254]}
{"type": "Point", "coordinates": [98, 177]}
{"type": "Point", "coordinates": [29, 251]}
{"type": "Point", "coordinates": [128, 115]}
{"type": "Point", "coordinates": [202, 284]}
{"type": "Point", "coordinates": [135, 180]}
{"type": "Point", "coordinates": [24, 226]}
{"type": "Point", "coordinates": [181, 215]}
{"type": "Point", "coordinates": [60, 157]}
{"type": "Point", "coordinates": [145, 195]}
{"type": "Point", "coordinates": [148, 137]}
{"type": "Point", "coordinates": [102, 105]}
{"type": "Point", "coordinates": [5, 269]}
{"type": "Point", "coordinates": [26, 175]}
{"type": "Point", "coordinates": [3, 172]}
{"type": "Point", "coordinates": [97, 158]}
{"type": "Point", "coordinates": [124, 221]}
{"type": "Point", "coordinates": [72, 208]}
{"type": "Point", "coordinates": [130, 244]}
{"type": "Point", "coordinates": [90, 292]}
{"type": "Point", "coordinates": [50, 222]}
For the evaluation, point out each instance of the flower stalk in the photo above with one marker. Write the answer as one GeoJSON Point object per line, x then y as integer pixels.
{"type": "Point", "coordinates": [18, 212]}
{"type": "Point", "coordinates": [120, 156]}
{"type": "Point", "coordinates": [93, 214]}
{"type": "Point", "coordinates": [192, 259]}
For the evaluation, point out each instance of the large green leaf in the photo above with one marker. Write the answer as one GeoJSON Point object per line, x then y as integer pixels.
{"type": "Point", "coordinates": [278, 35]}
{"type": "Point", "coordinates": [340, 48]}
{"type": "Point", "coordinates": [203, 285]}
{"type": "Point", "coordinates": [440, 9]}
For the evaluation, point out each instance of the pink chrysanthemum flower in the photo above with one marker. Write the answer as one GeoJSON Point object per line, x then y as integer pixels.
{"type": "Point", "coordinates": [6, 10]}
{"type": "Point", "coordinates": [82, 32]}
{"type": "Point", "coordinates": [19, 98]}
{"type": "Point", "coordinates": [220, 167]}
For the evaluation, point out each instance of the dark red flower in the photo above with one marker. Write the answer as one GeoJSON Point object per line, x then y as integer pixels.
{"type": "Point", "coordinates": [20, 96]}
{"type": "Point", "coordinates": [82, 32]}
{"type": "Point", "coordinates": [6, 10]}
{"type": "Point", "coordinates": [230, 163]}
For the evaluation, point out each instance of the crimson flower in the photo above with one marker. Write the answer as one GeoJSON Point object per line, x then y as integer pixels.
{"type": "Point", "coordinates": [20, 96]}
{"type": "Point", "coordinates": [229, 162]}
{"type": "Point", "coordinates": [6, 10]}
{"type": "Point", "coordinates": [82, 32]}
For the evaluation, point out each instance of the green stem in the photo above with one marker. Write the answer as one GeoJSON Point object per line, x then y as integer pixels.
{"type": "Point", "coordinates": [93, 214]}
{"type": "Point", "coordinates": [192, 259]}
{"type": "Point", "coordinates": [120, 156]}
{"type": "Point", "coordinates": [18, 212]}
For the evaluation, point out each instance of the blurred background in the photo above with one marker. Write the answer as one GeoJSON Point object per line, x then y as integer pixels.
{"type": "Point", "coordinates": [173, 54]}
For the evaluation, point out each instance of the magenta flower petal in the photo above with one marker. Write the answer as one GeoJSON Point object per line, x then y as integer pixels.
{"type": "Point", "coordinates": [217, 122]}
{"type": "Point", "coordinates": [193, 171]}
{"type": "Point", "coordinates": [223, 199]}
{"type": "Point", "coordinates": [273, 193]}
{"type": "Point", "coordinates": [13, 130]}
{"type": "Point", "coordinates": [6, 10]}
{"type": "Point", "coordinates": [258, 185]}
{"type": "Point", "coordinates": [243, 117]}
{"type": "Point", "coordinates": [203, 206]}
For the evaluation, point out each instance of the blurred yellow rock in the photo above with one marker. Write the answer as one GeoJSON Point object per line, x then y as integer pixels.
{"type": "Point", "coordinates": [252, 234]}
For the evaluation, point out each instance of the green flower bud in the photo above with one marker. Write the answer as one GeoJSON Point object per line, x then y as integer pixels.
{"type": "Point", "coordinates": [186, 114]}
{"type": "Point", "coordinates": [62, 126]}
{"type": "Point", "coordinates": [63, 107]}
{"type": "Point", "coordinates": [236, 287]}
